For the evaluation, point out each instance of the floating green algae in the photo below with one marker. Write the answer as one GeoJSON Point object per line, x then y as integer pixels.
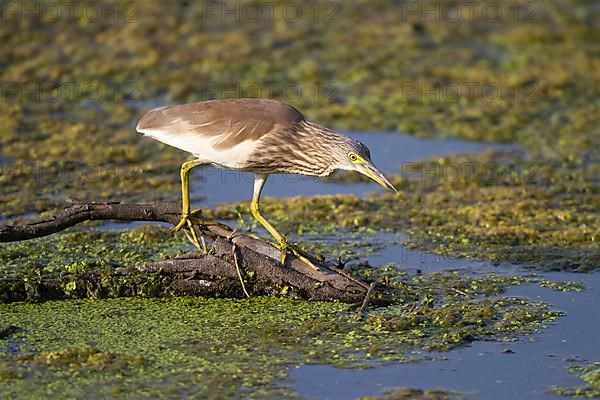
{"type": "Point", "coordinates": [564, 286]}
{"type": "Point", "coordinates": [415, 394]}
{"type": "Point", "coordinates": [56, 142]}
{"type": "Point", "coordinates": [590, 374]}
{"type": "Point", "coordinates": [87, 250]}
{"type": "Point", "coordinates": [222, 348]}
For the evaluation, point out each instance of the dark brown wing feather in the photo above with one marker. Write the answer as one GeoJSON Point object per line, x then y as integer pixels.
{"type": "Point", "coordinates": [229, 122]}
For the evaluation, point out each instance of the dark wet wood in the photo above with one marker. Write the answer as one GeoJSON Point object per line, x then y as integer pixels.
{"type": "Point", "coordinates": [211, 275]}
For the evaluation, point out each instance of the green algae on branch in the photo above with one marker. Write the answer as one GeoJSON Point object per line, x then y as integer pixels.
{"type": "Point", "coordinates": [588, 373]}
{"type": "Point", "coordinates": [211, 347]}
{"type": "Point", "coordinates": [77, 264]}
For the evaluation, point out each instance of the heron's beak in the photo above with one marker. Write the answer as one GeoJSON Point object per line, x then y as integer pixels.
{"type": "Point", "coordinates": [369, 170]}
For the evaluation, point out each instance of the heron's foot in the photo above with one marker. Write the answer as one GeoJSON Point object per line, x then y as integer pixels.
{"type": "Point", "coordinates": [286, 247]}
{"type": "Point", "coordinates": [190, 233]}
{"type": "Point", "coordinates": [189, 220]}
{"type": "Point", "coordinates": [187, 224]}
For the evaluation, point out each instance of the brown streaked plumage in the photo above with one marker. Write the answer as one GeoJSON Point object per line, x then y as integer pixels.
{"type": "Point", "coordinates": [260, 136]}
{"type": "Point", "coordinates": [242, 134]}
{"type": "Point", "coordinates": [230, 122]}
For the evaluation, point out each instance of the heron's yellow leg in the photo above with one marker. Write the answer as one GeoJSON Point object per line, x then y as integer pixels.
{"type": "Point", "coordinates": [254, 208]}
{"type": "Point", "coordinates": [284, 246]}
{"type": "Point", "coordinates": [186, 213]}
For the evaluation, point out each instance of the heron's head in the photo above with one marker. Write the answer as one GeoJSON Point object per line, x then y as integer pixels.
{"type": "Point", "coordinates": [355, 156]}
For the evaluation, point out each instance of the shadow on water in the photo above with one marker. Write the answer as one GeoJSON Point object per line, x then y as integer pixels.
{"type": "Point", "coordinates": [389, 151]}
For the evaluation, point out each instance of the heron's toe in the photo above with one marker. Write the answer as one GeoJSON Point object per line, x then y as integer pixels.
{"type": "Point", "coordinates": [286, 247]}
{"type": "Point", "coordinates": [189, 220]}
{"type": "Point", "coordinates": [181, 224]}
{"type": "Point", "coordinates": [195, 212]}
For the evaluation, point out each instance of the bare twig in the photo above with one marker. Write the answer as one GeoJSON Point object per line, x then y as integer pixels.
{"type": "Point", "coordinates": [237, 268]}
{"type": "Point", "coordinates": [81, 212]}
{"type": "Point", "coordinates": [366, 300]}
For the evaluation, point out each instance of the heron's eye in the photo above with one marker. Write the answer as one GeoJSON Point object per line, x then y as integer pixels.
{"type": "Point", "coordinates": [355, 158]}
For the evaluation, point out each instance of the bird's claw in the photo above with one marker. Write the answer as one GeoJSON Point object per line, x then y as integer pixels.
{"type": "Point", "coordinates": [286, 247]}
{"type": "Point", "coordinates": [188, 219]}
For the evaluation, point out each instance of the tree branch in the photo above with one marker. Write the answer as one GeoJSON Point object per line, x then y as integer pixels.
{"type": "Point", "coordinates": [83, 211]}
{"type": "Point", "coordinates": [213, 275]}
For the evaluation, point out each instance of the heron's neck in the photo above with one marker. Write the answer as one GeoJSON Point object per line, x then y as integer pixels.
{"type": "Point", "coordinates": [324, 144]}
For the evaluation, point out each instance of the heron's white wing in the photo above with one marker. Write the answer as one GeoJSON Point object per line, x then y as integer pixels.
{"type": "Point", "coordinates": [223, 132]}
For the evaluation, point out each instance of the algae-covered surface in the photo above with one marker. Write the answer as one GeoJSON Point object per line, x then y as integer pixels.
{"type": "Point", "coordinates": [528, 368]}
{"type": "Point", "coordinates": [202, 347]}
{"type": "Point", "coordinates": [590, 374]}
{"type": "Point", "coordinates": [488, 248]}
{"type": "Point", "coordinates": [76, 83]}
